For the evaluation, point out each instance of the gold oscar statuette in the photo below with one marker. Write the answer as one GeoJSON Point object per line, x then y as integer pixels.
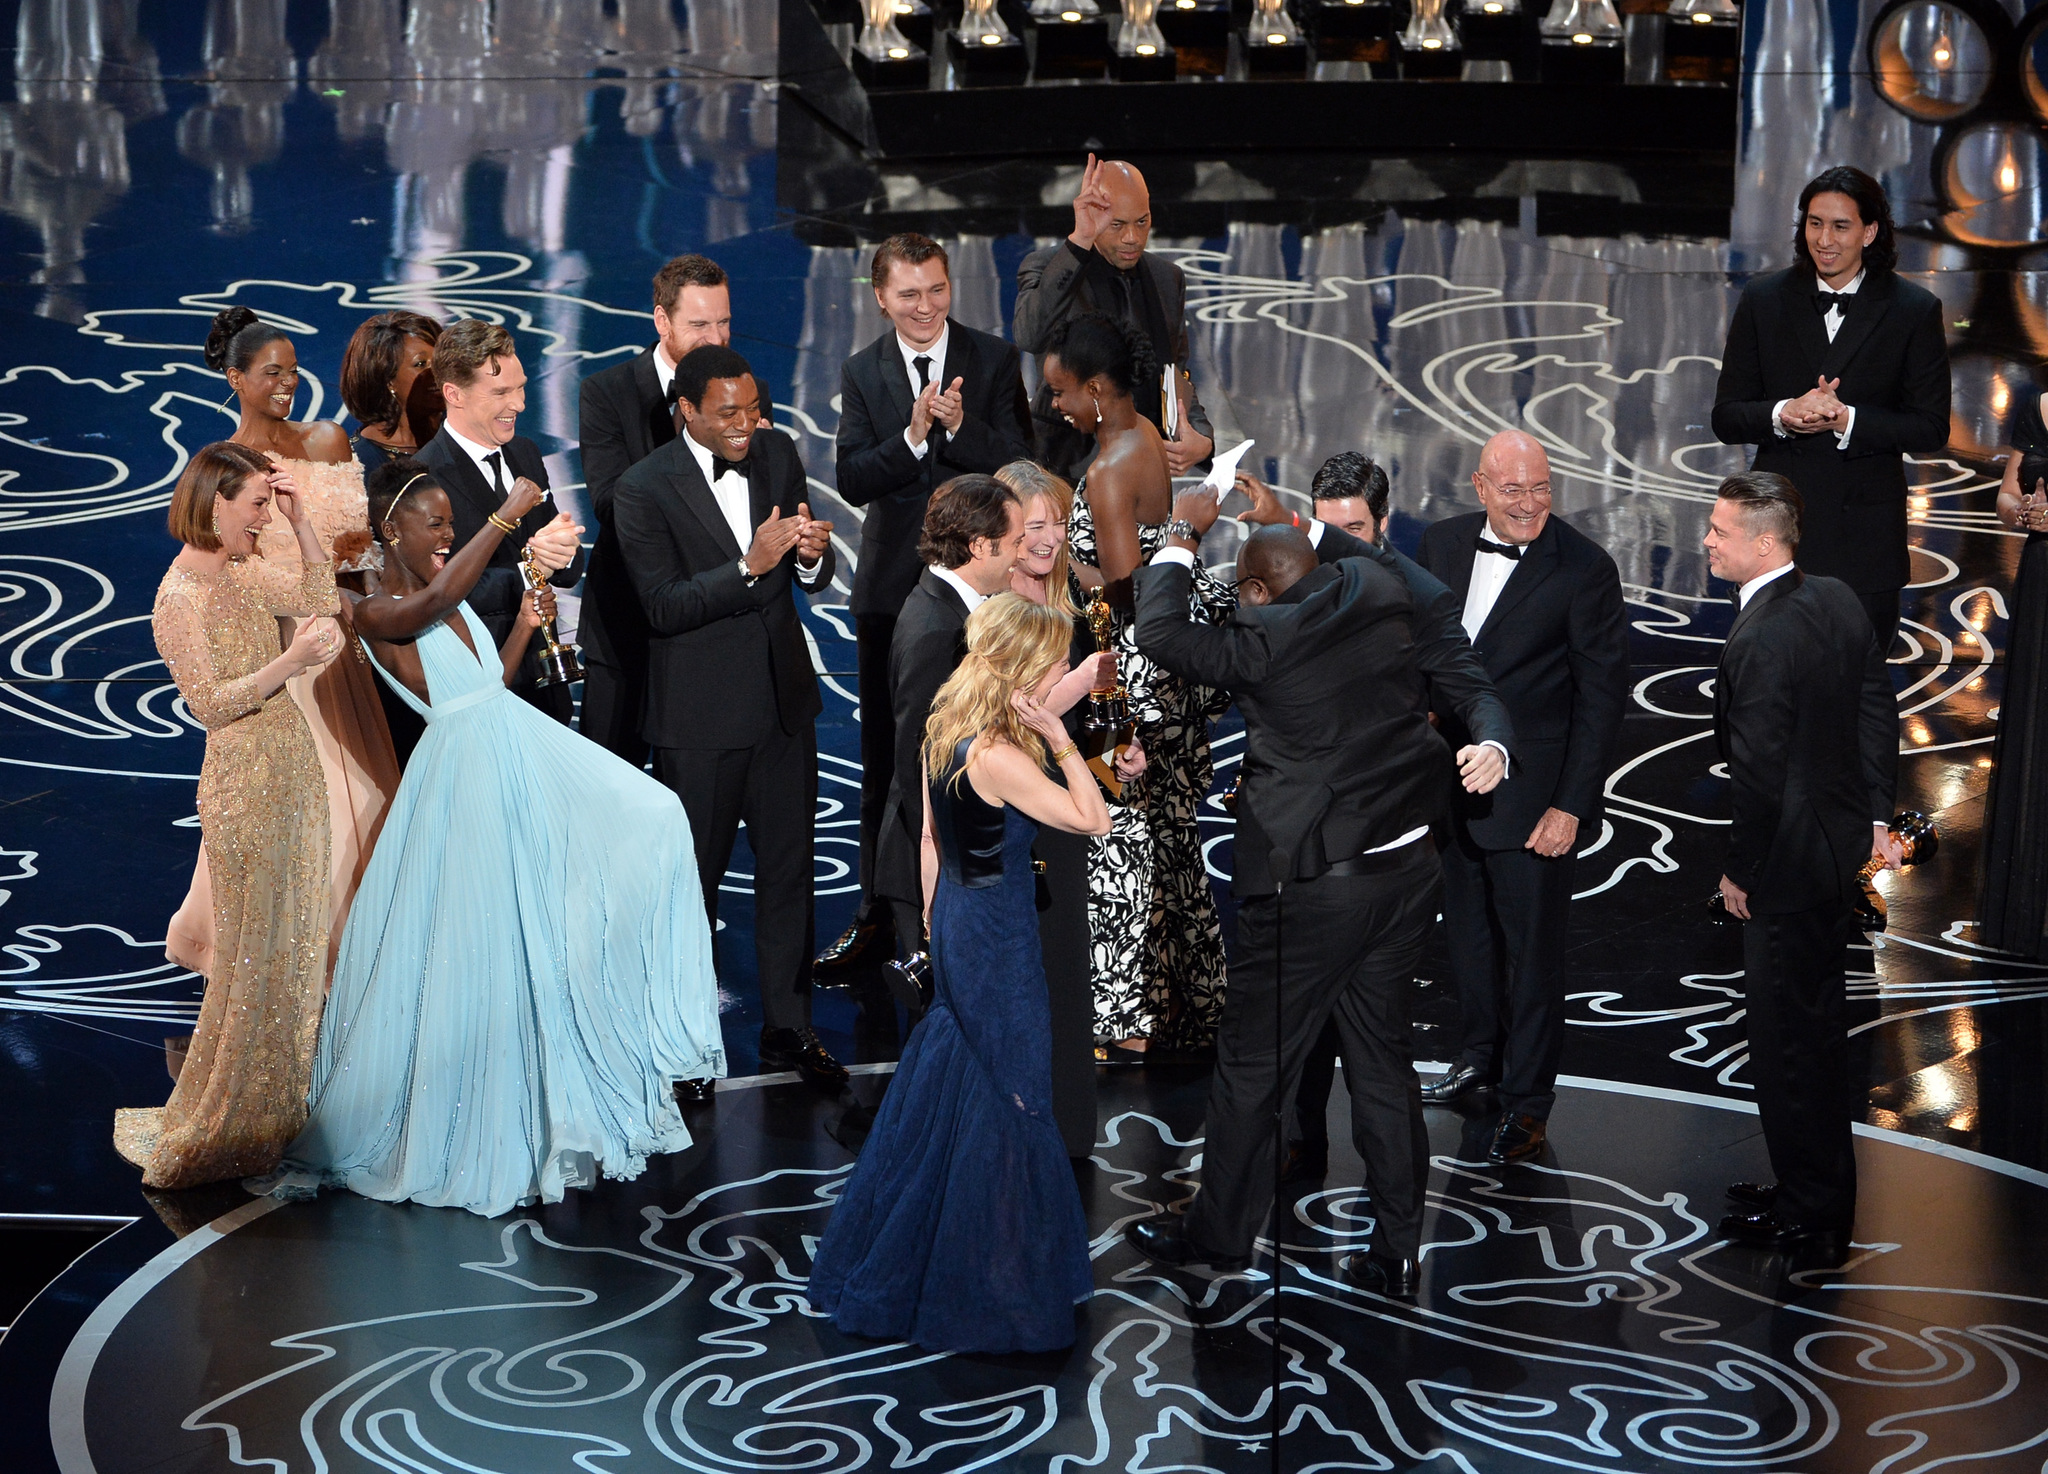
{"type": "Point", "coordinates": [1107, 728]}
{"type": "Point", "coordinates": [559, 663]}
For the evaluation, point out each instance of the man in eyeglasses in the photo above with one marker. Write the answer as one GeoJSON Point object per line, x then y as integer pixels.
{"type": "Point", "coordinates": [1543, 609]}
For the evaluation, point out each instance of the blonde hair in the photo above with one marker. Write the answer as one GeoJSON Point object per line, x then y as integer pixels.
{"type": "Point", "coordinates": [1011, 644]}
{"type": "Point", "coordinates": [1029, 479]}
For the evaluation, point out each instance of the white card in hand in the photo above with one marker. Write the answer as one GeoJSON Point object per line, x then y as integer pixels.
{"type": "Point", "coordinates": [1223, 471]}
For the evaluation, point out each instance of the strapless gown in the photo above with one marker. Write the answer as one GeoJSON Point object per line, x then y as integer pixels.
{"type": "Point", "coordinates": [961, 1228]}
{"type": "Point", "coordinates": [526, 971]}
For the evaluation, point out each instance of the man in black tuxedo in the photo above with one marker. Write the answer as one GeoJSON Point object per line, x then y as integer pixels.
{"type": "Point", "coordinates": [1542, 605]}
{"type": "Point", "coordinates": [928, 400]}
{"type": "Point", "coordinates": [1835, 369]}
{"type": "Point", "coordinates": [972, 531]}
{"type": "Point", "coordinates": [1343, 779]}
{"type": "Point", "coordinates": [716, 534]}
{"type": "Point", "coordinates": [626, 413]}
{"type": "Point", "coordinates": [1808, 726]}
{"type": "Point", "coordinates": [1103, 266]}
{"type": "Point", "coordinates": [477, 455]}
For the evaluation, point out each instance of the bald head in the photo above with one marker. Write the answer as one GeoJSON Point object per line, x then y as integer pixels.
{"type": "Point", "coordinates": [1274, 559]}
{"type": "Point", "coordinates": [1124, 238]}
{"type": "Point", "coordinates": [1513, 482]}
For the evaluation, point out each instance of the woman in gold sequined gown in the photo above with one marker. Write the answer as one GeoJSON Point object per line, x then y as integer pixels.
{"type": "Point", "coordinates": [340, 702]}
{"type": "Point", "coordinates": [241, 1095]}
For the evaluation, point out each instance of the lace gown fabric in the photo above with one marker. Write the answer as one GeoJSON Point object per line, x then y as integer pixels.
{"type": "Point", "coordinates": [1156, 960]}
{"type": "Point", "coordinates": [241, 1095]}
{"type": "Point", "coordinates": [526, 971]}
{"type": "Point", "coordinates": [339, 700]}
{"type": "Point", "coordinates": [961, 1228]}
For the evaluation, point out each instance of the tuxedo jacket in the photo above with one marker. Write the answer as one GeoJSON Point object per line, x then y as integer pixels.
{"type": "Point", "coordinates": [1556, 647]}
{"type": "Point", "coordinates": [1051, 287]}
{"type": "Point", "coordinates": [727, 661]}
{"type": "Point", "coordinates": [1892, 357]}
{"type": "Point", "coordinates": [878, 471]}
{"type": "Point", "coordinates": [622, 419]}
{"type": "Point", "coordinates": [1809, 728]}
{"type": "Point", "coordinates": [1339, 754]}
{"type": "Point", "coordinates": [928, 645]}
{"type": "Point", "coordinates": [472, 498]}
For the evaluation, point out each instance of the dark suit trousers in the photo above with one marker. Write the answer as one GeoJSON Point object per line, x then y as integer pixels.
{"type": "Point", "coordinates": [1505, 915]}
{"type": "Point", "coordinates": [614, 701]}
{"type": "Point", "coordinates": [1883, 609]}
{"type": "Point", "coordinates": [773, 788]}
{"type": "Point", "coordinates": [555, 701]}
{"type": "Point", "coordinates": [1806, 1096]}
{"type": "Point", "coordinates": [1346, 947]}
{"type": "Point", "coordinates": [1063, 939]}
{"type": "Point", "coordinates": [872, 634]}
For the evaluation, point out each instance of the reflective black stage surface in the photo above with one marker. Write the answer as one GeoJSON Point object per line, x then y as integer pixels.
{"type": "Point", "coordinates": [1578, 1312]}
{"type": "Point", "coordinates": [536, 163]}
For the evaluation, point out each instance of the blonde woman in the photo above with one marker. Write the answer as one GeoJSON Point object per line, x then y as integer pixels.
{"type": "Point", "coordinates": [960, 1228]}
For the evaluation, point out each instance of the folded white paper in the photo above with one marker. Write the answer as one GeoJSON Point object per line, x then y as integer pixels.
{"type": "Point", "coordinates": [1224, 470]}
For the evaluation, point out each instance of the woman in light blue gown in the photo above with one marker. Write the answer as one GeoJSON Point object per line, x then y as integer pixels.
{"type": "Point", "coordinates": [527, 970]}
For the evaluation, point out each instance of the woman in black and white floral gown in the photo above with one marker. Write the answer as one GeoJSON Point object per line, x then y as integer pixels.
{"type": "Point", "coordinates": [1157, 943]}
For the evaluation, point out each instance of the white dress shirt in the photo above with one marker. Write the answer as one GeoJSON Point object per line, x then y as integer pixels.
{"type": "Point", "coordinates": [481, 454]}
{"type": "Point", "coordinates": [972, 597]}
{"type": "Point", "coordinates": [664, 371]}
{"type": "Point", "coordinates": [1490, 574]}
{"type": "Point", "coordinates": [1833, 318]}
{"type": "Point", "coordinates": [1748, 591]}
{"type": "Point", "coordinates": [937, 354]}
{"type": "Point", "coordinates": [735, 500]}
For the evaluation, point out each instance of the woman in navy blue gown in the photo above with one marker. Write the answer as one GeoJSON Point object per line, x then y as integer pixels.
{"type": "Point", "coordinates": [961, 1228]}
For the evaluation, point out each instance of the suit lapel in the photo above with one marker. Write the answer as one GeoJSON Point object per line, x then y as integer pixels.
{"type": "Point", "coordinates": [1870, 303]}
{"type": "Point", "coordinates": [1460, 571]}
{"type": "Point", "coordinates": [1537, 563]}
{"type": "Point", "coordinates": [694, 495]}
{"type": "Point", "coordinates": [655, 418]}
{"type": "Point", "coordinates": [467, 476]}
{"type": "Point", "coordinates": [760, 486]}
{"type": "Point", "coordinates": [1769, 594]}
{"type": "Point", "coordinates": [895, 377]}
{"type": "Point", "coordinates": [959, 362]}
{"type": "Point", "coordinates": [1807, 328]}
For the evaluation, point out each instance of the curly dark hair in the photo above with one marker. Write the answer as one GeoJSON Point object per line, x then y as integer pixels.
{"type": "Point", "coordinates": [390, 484]}
{"type": "Point", "coordinates": [1882, 254]}
{"type": "Point", "coordinates": [1093, 345]}
{"type": "Point", "coordinates": [960, 512]}
{"type": "Point", "coordinates": [236, 336]}
{"type": "Point", "coordinates": [1351, 474]}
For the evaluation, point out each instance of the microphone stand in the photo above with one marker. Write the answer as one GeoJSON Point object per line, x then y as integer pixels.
{"type": "Point", "coordinates": [1278, 863]}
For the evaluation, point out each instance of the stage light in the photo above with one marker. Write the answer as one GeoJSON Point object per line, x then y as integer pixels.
{"type": "Point", "coordinates": [1275, 38]}
{"type": "Point", "coordinates": [2008, 176]}
{"type": "Point", "coordinates": [897, 53]}
{"type": "Point", "coordinates": [1432, 44]}
{"type": "Point", "coordinates": [1701, 18]}
{"type": "Point", "coordinates": [1583, 38]}
{"type": "Point", "coordinates": [1183, 4]}
{"type": "Point", "coordinates": [1492, 7]}
{"type": "Point", "coordinates": [1148, 50]}
{"type": "Point", "coordinates": [1070, 15]}
{"type": "Point", "coordinates": [991, 40]}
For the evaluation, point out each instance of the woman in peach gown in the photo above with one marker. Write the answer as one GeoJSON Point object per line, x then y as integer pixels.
{"type": "Point", "coordinates": [340, 700]}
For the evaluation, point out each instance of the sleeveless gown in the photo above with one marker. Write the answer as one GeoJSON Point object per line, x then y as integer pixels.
{"type": "Point", "coordinates": [526, 971]}
{"type": "Point", "coordinates": [2013, 897]}
{"type": "Point", "coordinates": [961, 1228]}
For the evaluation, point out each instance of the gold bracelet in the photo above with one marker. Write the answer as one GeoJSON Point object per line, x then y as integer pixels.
{"type": "Point", "coordinates": [508, 528]}
{"type": "Point", "coordinates": [1061, 755]}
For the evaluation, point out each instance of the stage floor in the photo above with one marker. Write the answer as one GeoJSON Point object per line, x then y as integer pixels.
{"type": "Point", "coordinates": [319, 164]}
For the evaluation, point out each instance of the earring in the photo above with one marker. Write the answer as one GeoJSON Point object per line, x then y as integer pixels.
{"type": "Point", "coordinates": [1097, 400]}
{"type": "Point", "coordinates": [228, 401]}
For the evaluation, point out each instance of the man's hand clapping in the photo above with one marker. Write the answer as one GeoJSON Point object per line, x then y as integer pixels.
{"type": "Point", "coordinates": [946, 407]}
{"type": "Point", "coordinates": [813, 537]}
{"type": "Point", "coordinates": [774, 537]}
{"type": "Point", "coordinates": [1816, 410]}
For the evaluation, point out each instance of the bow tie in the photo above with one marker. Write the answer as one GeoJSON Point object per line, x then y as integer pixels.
{"type": "Point", "coordinates": [674, 391]}
{"type": "Point", "coordinates": [1823, 301]}
{"type": "Point", "coordinates": [1506, 550]}
{"type": "Point", "coordinates": [742, 468]}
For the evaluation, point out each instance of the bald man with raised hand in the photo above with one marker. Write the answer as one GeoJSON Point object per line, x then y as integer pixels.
{"type": "Point", "coordinates": [1103, 266]}
{"type": "Point", "coordinates": [1543, 609]}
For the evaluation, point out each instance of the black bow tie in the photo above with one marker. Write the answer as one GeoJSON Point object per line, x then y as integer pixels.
{"type": "Point", "coordinates": [742, 468]}
{"type": "Point", "coordinates": [1823, 301]}
{"type": "Point", "coordinates": [674, 391]}
{"type": "Point", "coordinates": [1506, 550]}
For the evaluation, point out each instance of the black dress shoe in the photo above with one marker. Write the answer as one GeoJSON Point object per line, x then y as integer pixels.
{"type": "Point", "coordinates": [1761, 1228]}
{"type": "Point", "coordinates": [1448, 1087]}
{"type": "Point", "coordinates": [1517, 1138]}
{"type": "Point", "coordinates": [799, 1050]}
{"type": "Point", "coordinates": [1383, 1273]}
{"type": "Point", "coordinates": [863, 944]}
{"type": "Point", "coordinates": [1813, 1248]}
{"type": "Point", "coordinates": [1163, 1243]}
{"type": "Point", "coordinates": [1306, 1162]}
{"type": "Point", "coordinates": [695, 1092]}
{"type": "Point", "coordinates": [1757, 1195]}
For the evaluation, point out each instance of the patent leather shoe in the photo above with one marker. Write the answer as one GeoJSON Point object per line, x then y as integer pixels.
{"type": "Point", "coordinates": [1757, 1196]}
{"type": "Point", "coordinates": [695, 1092]}
{"type": "Point", "coordinates": [863, 944]}
{"type": "Point", "coordinates": [1517, 1138]}
{"type": "Point", "coordinates": [1383, 1273]}
{"type": "Point", "coordinates": [1163, 1243]}
{"type": "Point", "coordinates": [1760, 1228]}
{"type": "Point", "coordinates": [799, 1050]}
{"type": "Point", "coordinates": [1447, 1087]}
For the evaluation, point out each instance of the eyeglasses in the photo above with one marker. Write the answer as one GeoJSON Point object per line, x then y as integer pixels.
{"type": "Point", "coordinates": [1539, 492]}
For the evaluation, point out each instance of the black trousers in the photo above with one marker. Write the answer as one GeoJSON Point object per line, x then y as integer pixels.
{"type": "Point", "coordinates": [1807, 1098]}
{"type": "Point", "coordinates": [614, 701]}
{"type": "Point", "coordinates": [1346, 948]}
{"type": "Point", "coordinates": [771, 787]}
{"type": "Point", "coordinates": [1883, 609]}
{"type": "Point", "coordinates": [1505, 916]}
{"type": "Point", "coordinates": [1063, 940]}
{"type": "Point", "coordinates": [872, 635]}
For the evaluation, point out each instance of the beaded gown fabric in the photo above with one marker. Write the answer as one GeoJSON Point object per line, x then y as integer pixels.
{"type": "Point", "coordinates": [339, 700]}
{"type": "Point", "coordinates": [1155, 941]}
{"type": "Point", "coordinates": [241, 1095]}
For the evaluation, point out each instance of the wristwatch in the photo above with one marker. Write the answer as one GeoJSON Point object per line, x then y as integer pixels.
{"type": "Point", "coordinates": [748, 574]}
{"type": "Point", "coordinates": [1181, 527]}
